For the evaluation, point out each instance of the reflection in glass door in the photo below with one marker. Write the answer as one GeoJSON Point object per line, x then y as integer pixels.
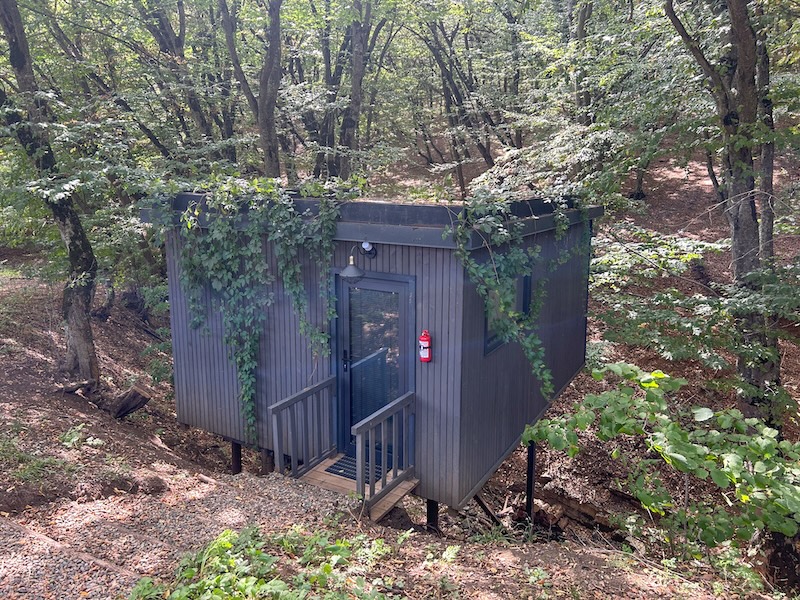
{"type": "Point", "coordinates": [374, 347]}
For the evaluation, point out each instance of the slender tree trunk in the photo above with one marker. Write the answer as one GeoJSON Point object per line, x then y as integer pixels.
{"type": "Point", "coordinates": [516, 77]}
{"type": "Point", "coordinates": [270, 81]}
{"type": "Point", "coordinates": [737, 96]}
{"type": "Point", "coordinates": [455, 142]}
{"type": "Point", "coordinates": [171, 44]}
{"type": "Point", "coordinates": [262, 107]}
{"type": "Point", "coordinates": [441, 48]}
{"type": "Point", "coordinates": [582, 97]}
{"type": "Point", "coordinates": [81, 357]}
{"type": "Point", "coordinates": [767, 162]}
{"type": "Point", "coordinates": [374, 92]}
{"type": "Point", "coordinates": [348, 137]}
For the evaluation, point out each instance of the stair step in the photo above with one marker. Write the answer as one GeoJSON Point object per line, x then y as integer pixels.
{"type": "Point", "coordinates": [388, 502]}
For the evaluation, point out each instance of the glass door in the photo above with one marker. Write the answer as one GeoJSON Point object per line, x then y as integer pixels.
{"type": "Point", "coordinates": [374, 349]}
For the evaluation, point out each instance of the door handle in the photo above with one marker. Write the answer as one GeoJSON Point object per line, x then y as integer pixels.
{"type": "Point", "coordinates": [345, 362]}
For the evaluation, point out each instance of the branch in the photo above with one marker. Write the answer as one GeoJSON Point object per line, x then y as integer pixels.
{"type": "Point", "coordinates": [181, 23]}
{"type": "Point", "coordinates": [238, 72]}
{"type": "Point", "coordinates": [655, 265]}
{"type": "Point", "coordinates": [694, 48]}
{"type": "Point", "coordinates": [71, 50]}
{"type": "Point", "coordinates": [721, 195]}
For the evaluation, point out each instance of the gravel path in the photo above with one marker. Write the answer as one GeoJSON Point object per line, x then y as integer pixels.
{"type": "Point", "coordinates": [98, 549]}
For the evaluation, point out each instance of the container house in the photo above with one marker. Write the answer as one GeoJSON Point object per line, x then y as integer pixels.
{"type": "Point", "coordinates": [374, 413]}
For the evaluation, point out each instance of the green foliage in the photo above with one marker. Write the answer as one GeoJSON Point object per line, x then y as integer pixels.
{"type": "Point", "coordinates": [502, 262]}
{"type": "Point", "coordinates": [495, 273]}
{"type": "Point", "coordinates": [497, 534]}
{"type": "Point", "coordinates": [572, 161]}
{"type": "Point", "coordinates": [756, 474]}
{"type": "Point", "coordinates": [627, 255]}
{"type": "Point", "coordinates": [159, 367]}
{"type": "Point", "coordinates": [156, 301]}
{"type": "Point", "coordinates": [27, 466]}
{"type": "Point", "coordinates": [703, 324]}
{"type": "Point", "coordinates": [538, 578]}
{"type": "Point", "coordinates": [289, 566]}
{"type": "Point", "coordinates": [727, 561]}
{"type": "Point", "coordinates": [292, 233]}
{"type": "Point", "coordinates": [223, 256]}
{"type": "Point", "coordinates": [74, 437]}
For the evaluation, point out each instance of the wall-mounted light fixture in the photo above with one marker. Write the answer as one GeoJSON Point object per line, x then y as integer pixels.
{"type": "Point", "coordinates": [368, 250]}
{"type": "Point", "coordinates": [351, 272]}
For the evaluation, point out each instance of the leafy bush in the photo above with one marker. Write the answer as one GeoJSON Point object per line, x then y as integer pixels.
{"type": "Point", "coordinates": [755, 474]}
{"type": "Point", "coordinates": [703, 324]}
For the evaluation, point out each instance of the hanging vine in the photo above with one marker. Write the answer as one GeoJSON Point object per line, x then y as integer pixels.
{"type": "Point", "coordinates": [223, 251]}
{"type": "Point", "coordinates": [508, 259]}
{"type": "Point", "coordinates": [291, 233]}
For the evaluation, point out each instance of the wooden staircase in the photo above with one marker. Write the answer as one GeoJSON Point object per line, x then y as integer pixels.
{"type": "Point", "coordinates": [382, 507]}
{"type": "Point", "coordinates": [319, 477]}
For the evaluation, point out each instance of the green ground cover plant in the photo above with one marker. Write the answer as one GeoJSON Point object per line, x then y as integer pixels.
{"type": "Point", "coordinates": [291, 565]}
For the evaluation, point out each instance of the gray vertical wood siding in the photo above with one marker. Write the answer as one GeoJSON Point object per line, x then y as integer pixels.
{"type": "Point", "coordinates": [206, 384]}
{"type": "Point", "coordinates": [499, 394]}
{"type": "Point", "coordinates": [470, 408]}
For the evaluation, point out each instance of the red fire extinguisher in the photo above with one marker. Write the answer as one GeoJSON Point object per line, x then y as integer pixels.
{"type": "Point", "coordinates": [425, 346]}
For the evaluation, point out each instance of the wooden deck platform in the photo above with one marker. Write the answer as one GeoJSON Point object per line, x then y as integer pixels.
{"type": "Point", "coordinates": [328, 481]}
{"type": "Point", "coordinates": [336, 483]}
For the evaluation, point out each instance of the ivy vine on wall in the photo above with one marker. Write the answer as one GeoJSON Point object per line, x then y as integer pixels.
{"type": "Point", "coordinates": [507, 259]}
{"type": "Point", "coordinates": [223, 252]}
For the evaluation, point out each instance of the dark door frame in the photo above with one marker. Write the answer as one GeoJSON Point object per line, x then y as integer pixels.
{"type": "Point", "coordinates": [405, 285]}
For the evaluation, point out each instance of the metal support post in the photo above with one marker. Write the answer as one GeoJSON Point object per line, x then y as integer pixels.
{"type": "Point", "coordinates": [531, 478]}
{"type": "Point", "coordinates": [432, 516]}
{"type": "Point", "coordinates": [236, 458]}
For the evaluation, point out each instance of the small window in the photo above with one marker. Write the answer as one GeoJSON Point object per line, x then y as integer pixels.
{"type": "Point", "coordinates": [492, 339]}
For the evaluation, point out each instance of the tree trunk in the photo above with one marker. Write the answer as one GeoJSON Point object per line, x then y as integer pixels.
{"type": "Point", "coordinates": [582, 96]}
{"type": "Point", "coordinates": [81, 357]}
{"type": "Point", "coordinates": [737, 96]}
{"type": "Point", "coordinates": [348, 137]}
{"type": "Point", "coordinates": [262, 107]}
{"type": "Point", "coordinates": [767, 166]}
{"type": "Point", "coordinates": [270, 81]}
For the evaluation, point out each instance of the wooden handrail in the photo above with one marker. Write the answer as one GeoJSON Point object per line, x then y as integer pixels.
{"type": "Point", "coordinates": [301, 395]}
{"type": "Point", "coordinates": [401, 412]}
{"type": "Point", "coordinates": [382, 414]}
{"type": "Point", "coordinates": [308, 443]}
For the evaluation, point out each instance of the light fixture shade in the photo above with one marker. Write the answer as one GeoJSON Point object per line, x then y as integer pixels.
{"type": "Point", "coordinates": [351, 272]}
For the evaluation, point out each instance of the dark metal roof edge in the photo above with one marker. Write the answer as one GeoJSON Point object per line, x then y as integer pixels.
{"type": "Point", "coordinates": [422, 225]}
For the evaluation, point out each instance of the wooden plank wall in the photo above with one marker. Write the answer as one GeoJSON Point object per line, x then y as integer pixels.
{"type": "Point", "coordinates": [206, 385]}
{"type": "Point", "coordinates": [499, 393]}
{"type": "Point", "coordinates": [206, 388]}
{"type": "Point", "coordinates": [287, 364]}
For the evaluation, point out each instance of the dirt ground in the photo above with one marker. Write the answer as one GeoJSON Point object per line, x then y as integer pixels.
{"type": "Point", "coordinates": [62, 460]}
